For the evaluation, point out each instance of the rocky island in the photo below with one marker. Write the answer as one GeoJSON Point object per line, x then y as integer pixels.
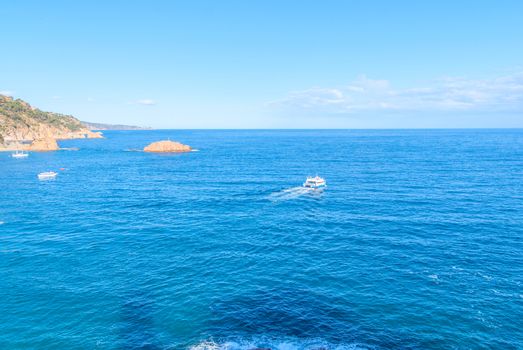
{"type": "Point", "coordinates": [23, 127]}
{"type": "Point", "coordinates": [167, 147]}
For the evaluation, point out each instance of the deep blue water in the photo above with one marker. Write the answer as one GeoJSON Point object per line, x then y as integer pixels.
{"type": "Point", "coordinates": [417, 243]}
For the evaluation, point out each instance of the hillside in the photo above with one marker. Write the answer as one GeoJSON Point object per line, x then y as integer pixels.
{"type": "Point", "coordinates": [102, 126]}
{"type": "Point", "coordinates": [20, 122]}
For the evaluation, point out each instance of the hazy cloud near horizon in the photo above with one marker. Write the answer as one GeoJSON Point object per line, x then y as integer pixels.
{"type": "Point", "coordinates": [146, 102]}
{"type": "Point", "coordinates": [501, 93]}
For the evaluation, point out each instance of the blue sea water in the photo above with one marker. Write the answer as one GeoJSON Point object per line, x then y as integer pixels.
{"type": "Point", "coordinates": [417, 243]}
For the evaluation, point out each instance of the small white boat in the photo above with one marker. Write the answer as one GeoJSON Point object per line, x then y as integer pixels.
{"type": "Point", "coordinates": [19, 154]}
{"type": "Point", "coordinates": [47, 175]}
{"type": "Point", "coordinates": [315, 182]}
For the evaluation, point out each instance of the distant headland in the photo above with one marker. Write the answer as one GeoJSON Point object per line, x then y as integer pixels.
{"type": "Point", "coordinates": [103, 126]}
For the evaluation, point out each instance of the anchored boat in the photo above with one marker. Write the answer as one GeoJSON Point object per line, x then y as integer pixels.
{"type": "Point", "coordinates": [47, 175]}
{"type": "Point", "coordinates": [315, 182]}
{"type": "Point", "coordinates": [19, 154]}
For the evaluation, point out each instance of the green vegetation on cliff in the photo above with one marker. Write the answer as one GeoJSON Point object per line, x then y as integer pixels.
{"type": "Point", "coordinates": [17, 116]}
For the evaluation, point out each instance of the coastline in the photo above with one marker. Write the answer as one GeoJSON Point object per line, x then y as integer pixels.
{"type": "Point", "coordinates": [46, 144]}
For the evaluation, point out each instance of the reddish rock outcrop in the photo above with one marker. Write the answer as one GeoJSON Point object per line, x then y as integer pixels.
{"type": "Point", "coordinates": [47, 144]}
{"type": "Point", "coordinates": [167, 147]}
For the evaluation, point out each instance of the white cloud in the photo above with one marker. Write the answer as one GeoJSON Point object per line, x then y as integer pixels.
{"type": "Point", "coordinates": [146, 102]}
{"type": "Point", "coordinates": [6, 93]}
{"type": "Point", "coordinates": [504, 93]}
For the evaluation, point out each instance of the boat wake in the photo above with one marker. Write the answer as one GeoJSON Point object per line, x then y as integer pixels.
{"type": "Point", "coordinates": [293, 193]}
{"type": "Point", "coordinates": [276, 344]}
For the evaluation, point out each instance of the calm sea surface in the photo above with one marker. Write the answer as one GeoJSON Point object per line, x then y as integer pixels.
{"type": "Point", "coordinates": [417, 243]}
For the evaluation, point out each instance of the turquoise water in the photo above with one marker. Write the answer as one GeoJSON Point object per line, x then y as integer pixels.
{"type": "Point", "coordinates": [417, 243]}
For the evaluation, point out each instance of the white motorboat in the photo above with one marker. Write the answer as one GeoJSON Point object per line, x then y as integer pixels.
{"type": "Point", "coordinates": [48, 175]}
{"type": "Point", "coordinates": [315, 182]}
{"type": "Point", "coordinates": [19, 154]}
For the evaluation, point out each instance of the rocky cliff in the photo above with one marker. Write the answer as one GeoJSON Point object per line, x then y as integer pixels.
{"type": "Point", "coordinates": [20, 122]}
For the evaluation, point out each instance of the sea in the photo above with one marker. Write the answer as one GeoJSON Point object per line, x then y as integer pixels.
{"type": "Point", "coordinates": [416, 243]}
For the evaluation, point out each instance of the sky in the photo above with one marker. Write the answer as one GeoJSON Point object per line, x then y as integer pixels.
{"type": "Point", "coordinates": [268, 64]}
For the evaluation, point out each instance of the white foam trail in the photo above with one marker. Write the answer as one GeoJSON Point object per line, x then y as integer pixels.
{"type": "Point", "coordinates": [290, 193]}
{"type": "Point", "coordinates": [1, 222]}
{"type": "Point", "coordinates": [207, 345]}
{"type": "Point", "coordinates": [276, 344]}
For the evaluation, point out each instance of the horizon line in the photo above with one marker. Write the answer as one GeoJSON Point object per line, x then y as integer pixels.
{"type": "Point", "coordinates": [247, 129]}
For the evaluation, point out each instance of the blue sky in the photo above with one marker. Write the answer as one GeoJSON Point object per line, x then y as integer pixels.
{"type": "Point", "coordinates": [268, 64]}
